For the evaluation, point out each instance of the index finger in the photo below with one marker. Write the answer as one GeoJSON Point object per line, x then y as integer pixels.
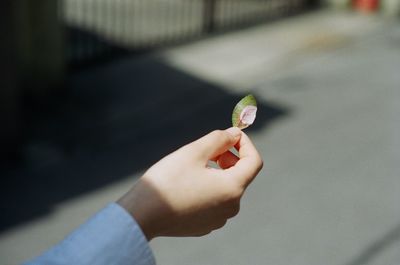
{"type": "Point", "coordinates": [249, 163]}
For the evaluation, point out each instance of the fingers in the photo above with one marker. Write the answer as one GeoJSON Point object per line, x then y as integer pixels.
{"type": "Point", "coordinates": [227, 160]}
{"type": "Point", "coordinates": [216, 143]}
{"type": "Point", "coordinates": [215, 146]}
{"type": "Point", "coordinates": [249, 163]}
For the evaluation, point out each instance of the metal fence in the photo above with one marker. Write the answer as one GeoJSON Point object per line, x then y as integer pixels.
{"type": "Point", "coordinates": [96, 28]}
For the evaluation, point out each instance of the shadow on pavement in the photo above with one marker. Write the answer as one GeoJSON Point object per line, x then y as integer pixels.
{"type": "Point", "coordinates": [377, 247]}
{"type": "Point", "coordinates": [111, 122]}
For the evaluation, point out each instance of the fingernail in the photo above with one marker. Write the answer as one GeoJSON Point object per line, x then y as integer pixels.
{"type": "Point", "coordinates": [234, 131]}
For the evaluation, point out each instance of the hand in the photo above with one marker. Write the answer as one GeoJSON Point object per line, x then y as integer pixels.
{"type": "Point", "coordinates": [181, 196]}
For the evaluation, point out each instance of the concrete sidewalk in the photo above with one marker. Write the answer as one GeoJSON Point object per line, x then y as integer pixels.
{"type": "Point", "coordinates": [330, 189]}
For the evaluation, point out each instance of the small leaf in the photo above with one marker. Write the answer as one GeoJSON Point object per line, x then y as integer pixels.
{"type": "Point", "coordinates": [244, 112]}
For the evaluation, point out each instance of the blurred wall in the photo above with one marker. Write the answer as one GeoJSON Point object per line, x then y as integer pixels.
{"type": "Point", "coordinates": [9, 85]}
{"type": "Point", "coordinates": [32, 63]}
{"type": "Point", "coordinates": [40, 46]}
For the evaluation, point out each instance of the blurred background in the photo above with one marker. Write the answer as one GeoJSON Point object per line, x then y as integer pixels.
{"type": "Point", "coordinates": [93, 92]}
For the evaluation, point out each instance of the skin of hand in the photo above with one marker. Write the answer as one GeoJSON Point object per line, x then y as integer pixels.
{"type": "Point", "coordinates": [181, 196]}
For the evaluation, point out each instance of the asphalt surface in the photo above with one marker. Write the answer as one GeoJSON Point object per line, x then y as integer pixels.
{"type": "Point", "coordinates": [329, 134]}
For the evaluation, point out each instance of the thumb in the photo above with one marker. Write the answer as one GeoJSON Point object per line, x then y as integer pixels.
{"type": "Point", "coordinates": [217, 142]}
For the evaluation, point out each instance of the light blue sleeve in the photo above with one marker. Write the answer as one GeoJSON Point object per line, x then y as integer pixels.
{"type": "Point", "coordinates": [111, 236]}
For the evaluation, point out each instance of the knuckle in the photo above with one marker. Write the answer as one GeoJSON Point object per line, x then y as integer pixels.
{"type": "Point", "coordinates": [217, 133]}
{"type": "Point", "coordinates": [234, 192]}
{"type": "Point", "coordinates": [235, 210]}
{"type": "Point", "coordinates": [200, 234]}
{"type": "Point", "coordinates": [260, 163]}
{"type": "Point", "coordinates": [221, 135]}
{"type": "Point", "coordinates": [237, 193]}
{"type": "Point", "coordinates": [220, 224]}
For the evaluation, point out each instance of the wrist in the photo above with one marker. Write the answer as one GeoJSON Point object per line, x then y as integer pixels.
{"type": "Point", "coordinates": [138, 203]}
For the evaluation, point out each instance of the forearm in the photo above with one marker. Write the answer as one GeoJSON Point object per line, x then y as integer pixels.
{"type": "Point", "coordinates": [109, 237]}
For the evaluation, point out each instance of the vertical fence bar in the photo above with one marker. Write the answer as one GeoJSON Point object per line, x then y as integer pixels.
{"type": "Point", "coordinates": [125, 24]}
{"type": "Point", "coordinates": [196, 9]}
{"type": "Point", "coordinates": [116, 19]}
{"type": "Point", "coordinates": [139, 21]}
{"type": "Point", "coordinates": [131, 25]}
{"type": "Point", "coordinates": [89, 39]}
{"type": "Point", "coordinates": [171, 17]}
{"type": "Point", "coordinates": [231, 21]}
{"type": "Point", "coordinates": [235, 13]}
{"type": "Point", "coordinates": [208, 16]}
{"type": "Point", "coordinates": [187, 10]}
{"type": "Point", "coordinates": [99, 16]}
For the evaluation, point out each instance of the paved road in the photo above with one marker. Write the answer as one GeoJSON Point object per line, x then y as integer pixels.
{"type": "Point", "coordinates": [330, 189]}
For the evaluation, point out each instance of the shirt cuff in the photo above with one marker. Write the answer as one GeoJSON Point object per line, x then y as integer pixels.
{"type": "Point", "coordinates": [112, 236]}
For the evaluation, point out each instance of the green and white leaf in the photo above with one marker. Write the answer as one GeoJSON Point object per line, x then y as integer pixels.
{"type": "Point", "coordinates": [248, 100]}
